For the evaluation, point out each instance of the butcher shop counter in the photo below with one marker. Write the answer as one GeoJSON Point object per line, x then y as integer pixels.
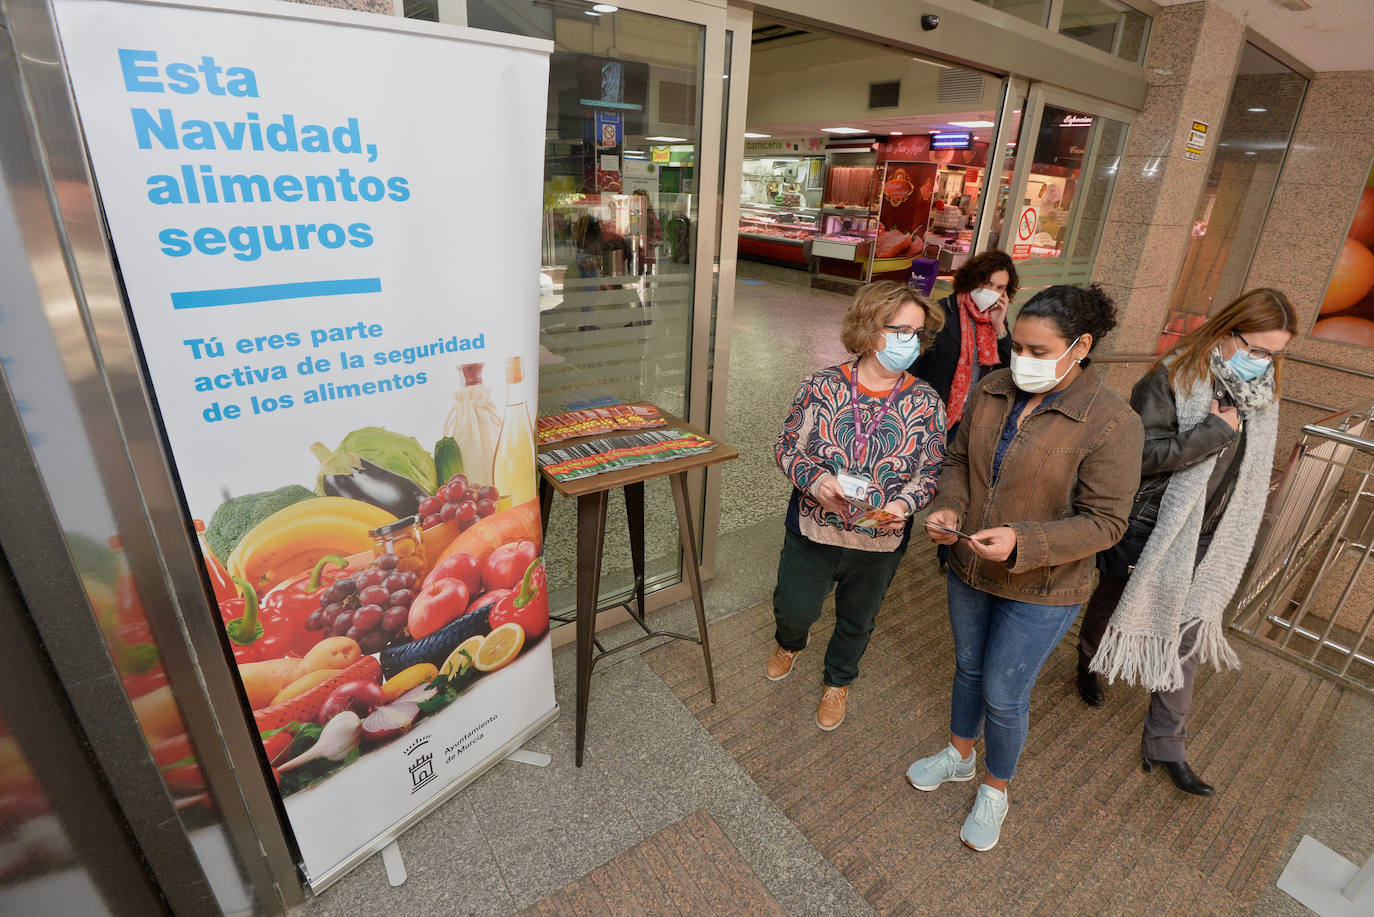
{"type": "Point", "coordinates": [777, 234]}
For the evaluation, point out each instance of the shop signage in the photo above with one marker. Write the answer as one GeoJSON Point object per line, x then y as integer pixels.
{"type": "Point", "coordinates": [1197, 140]}
{"type": "Point", "coordinates": [953, 140]}
{"type": "Point", "coordinates": [1027, 224]}
{"type": "Point", "coordinates": [1076, 121]}
{"type": "Point", "coordinates": [329, 346]}
{"type": "Point", "coordinates": [608, 128]}
{"type": "Point", "coordinates": [661, 154]}
{"type": "Point", "coordinates": [785, 145]}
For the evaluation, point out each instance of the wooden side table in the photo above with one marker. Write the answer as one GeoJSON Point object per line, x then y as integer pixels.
{"type": "Point", "coordinates": [592, 495]}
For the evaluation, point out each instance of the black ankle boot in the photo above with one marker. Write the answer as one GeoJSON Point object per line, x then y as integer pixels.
{"type": "Point", "coordinates": [1182, 775]}
{"type": "Point", "coordinates": [1090, 688]}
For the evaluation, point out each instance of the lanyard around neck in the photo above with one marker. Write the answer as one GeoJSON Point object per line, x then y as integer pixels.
{"type": "Point", "coordinates": [863, 433]}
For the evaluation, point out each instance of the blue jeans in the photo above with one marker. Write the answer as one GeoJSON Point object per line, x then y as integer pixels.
{"type": "Point", "coordinates": [999, 648]}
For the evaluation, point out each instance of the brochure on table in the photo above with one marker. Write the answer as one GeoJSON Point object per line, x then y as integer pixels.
{"type": "Point", "coordinates": [347, 387]}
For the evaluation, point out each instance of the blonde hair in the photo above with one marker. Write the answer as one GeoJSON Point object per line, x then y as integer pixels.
{"type": "Point", "coordinates": [873, 307]}
{"type": "Point", "coordinates": [1263, 309]}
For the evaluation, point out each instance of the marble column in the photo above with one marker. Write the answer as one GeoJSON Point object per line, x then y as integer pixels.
{"type": "Point", "coordinates": [1192, 60]}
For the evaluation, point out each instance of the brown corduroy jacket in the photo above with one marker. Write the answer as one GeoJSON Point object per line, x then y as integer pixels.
{"type": "Point", "coordinates": [1066, 486]}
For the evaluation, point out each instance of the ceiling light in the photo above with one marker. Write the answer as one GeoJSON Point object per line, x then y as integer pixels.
{"type": "Point", "coordinates": [590, 13]}
{"type": "Point", "coordinates": [1257, 110]}
{"type": "Point", "coordinates": [1251, 153]}
{"type": "Point", "coordinates": [934, 131]}
{"type": "Point", "coordinates": [667, 139]}
{"type": "Point", "coordinates": [750, 135]}
{"type": "Point", "coordinates": [894, 133]}
{"type": "Point", "coordinates": [844, 130]}
{"type": "Point", "coordinates": [972, 124]}
{"type": "Point", "coordinates": [604, 7]}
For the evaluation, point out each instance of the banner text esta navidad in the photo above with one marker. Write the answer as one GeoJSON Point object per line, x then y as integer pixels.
{"type": "Point", "coordinates": [202, 184]}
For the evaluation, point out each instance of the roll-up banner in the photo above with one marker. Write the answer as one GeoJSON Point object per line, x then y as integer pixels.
{"type": "Point", "coordinates": [327, 225]}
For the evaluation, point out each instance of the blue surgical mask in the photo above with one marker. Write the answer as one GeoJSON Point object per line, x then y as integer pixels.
{"type": "Point", "coordinates": [1246, 366]}
{"type": "Point", "coordinates": [898, 355]}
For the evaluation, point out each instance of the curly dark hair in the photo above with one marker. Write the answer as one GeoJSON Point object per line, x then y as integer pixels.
{"type": "Point", "coordinates": [1075, 311]}
{"type": "Point", "coordinates": [976, 271]}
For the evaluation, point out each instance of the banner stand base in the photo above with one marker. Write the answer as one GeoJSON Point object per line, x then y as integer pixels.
{"type": "Point", "coordinates": [524, 756]}
{"type": "Point", "coordinates": [395, 866]}
{"type": "Point", "coordinates": [318, 883]}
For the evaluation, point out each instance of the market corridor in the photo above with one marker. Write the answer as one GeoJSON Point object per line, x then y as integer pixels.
{"type": "Point", "coordinates": [745, 807]}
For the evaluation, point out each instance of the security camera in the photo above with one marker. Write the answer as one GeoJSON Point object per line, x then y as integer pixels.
{"type": "Point", "coordinates": [930, 22]}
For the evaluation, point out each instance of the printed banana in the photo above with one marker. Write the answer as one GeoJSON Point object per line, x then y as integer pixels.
{"type": "Point", "coordinates": [295, 538]}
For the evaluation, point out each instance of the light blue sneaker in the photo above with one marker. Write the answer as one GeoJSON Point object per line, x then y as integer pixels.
{"type": "Point", "coordinates": [929, 773]}
{"type": "Point", "coordinates": [984, 824]}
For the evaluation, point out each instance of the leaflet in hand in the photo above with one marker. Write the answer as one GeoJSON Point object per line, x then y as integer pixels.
{"type": "Point", "coordinates": [869, 516]}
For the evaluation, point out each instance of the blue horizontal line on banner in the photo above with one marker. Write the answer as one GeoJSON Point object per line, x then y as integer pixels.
{"type": "Point", "coordinates": [234, 296]}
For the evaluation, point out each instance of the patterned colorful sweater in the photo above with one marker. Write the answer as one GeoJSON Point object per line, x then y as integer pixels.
{"type": "Point", "coordinates": [903, 460]}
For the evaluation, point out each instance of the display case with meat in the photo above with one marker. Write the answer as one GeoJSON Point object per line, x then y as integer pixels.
{"type": "Point", "coordinates": [776, 234]}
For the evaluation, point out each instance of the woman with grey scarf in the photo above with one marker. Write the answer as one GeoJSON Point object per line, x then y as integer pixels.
{"type": "Point", "coordinates": [1210, 409]}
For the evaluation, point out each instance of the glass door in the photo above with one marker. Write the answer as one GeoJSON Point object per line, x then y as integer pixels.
{"type": "Point", "coordinates": [1065, 165]}
{"type": "Point", "coordinates": [631, 178]}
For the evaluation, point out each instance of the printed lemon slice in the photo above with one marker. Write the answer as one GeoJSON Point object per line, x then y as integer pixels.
{"type": "Point", "coordinates": [461, 659]}
{"type": "Point", "coordinates": [501, 646]}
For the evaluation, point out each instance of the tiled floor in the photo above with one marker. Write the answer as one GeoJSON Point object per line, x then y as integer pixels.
{"type": "Point", "coordinates": [688, 868]}
{"type": "Point", "coordinates": [1079, 802]}
{"type": "Point", "coordinates": [824, 823]}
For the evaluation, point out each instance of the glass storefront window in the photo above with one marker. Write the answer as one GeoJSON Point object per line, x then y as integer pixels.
{"type": "Point", "coordinates": [618, 240]}
{"type": "Point", "coordinates": [1108, 26]}
{"type": "Point", "coordinates": [1251, 146]}
{"type": "Point", "coordinates": [998, 218]}
{"type": "Point", "coordinates": [1033, 11]}
{"type": "Point", "coordinates": [1058, 220]}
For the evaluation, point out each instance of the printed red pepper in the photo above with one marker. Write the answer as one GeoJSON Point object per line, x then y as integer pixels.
{"type": "Point", "coordinates": [277, 742]}
{"type": "Point", "coordinates": [232, 609]}
{"type": "Point", "coordinates": [286, 607]}
{"type": "Point", "coordinates": [246, 632]}
{"type": "Point", "coordinates": [220, 580]}
{"type": "Point", "coordinates": [530, 606]}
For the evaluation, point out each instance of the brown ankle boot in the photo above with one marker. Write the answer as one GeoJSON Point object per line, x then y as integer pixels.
{"type": "Point", "coordinates": [831, 712]}
{"type": "Point", "coordinates": [780, 663]}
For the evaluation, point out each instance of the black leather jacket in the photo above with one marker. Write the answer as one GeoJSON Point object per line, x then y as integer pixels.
{"type": "Point", "coordinates": [1167, 450]}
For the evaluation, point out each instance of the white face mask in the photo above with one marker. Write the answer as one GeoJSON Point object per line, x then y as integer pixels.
{"type": "Point", "coordinates": [1036, 375]}
{"type": "Point", "coordinates": [985, 298]}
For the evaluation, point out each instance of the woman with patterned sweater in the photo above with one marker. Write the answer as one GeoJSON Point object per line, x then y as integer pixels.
{"type": "Point", "coordinates": [868, 431]}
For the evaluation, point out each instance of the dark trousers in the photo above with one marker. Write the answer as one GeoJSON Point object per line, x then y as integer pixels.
{"type": "Point", "coordinates": [1165, 721]}
{"type": "Point", "coordinates": [807, 571]}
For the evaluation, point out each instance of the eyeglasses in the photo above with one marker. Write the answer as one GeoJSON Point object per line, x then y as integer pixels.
{"type": "Point", "coordinates": [905, 333]}
{"type": "Point", "coordinates": [1259, 353]}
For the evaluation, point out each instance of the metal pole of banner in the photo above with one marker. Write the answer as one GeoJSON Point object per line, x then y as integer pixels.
{"type": "Point", "coordinates": [1325, 882]}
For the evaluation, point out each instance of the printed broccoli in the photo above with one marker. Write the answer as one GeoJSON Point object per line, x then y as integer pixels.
{"type": "Point", "coordinates": [237, 516]}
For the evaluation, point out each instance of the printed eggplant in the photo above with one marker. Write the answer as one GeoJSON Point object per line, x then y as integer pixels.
{"type": "Point", "coordinates": [371, 483]}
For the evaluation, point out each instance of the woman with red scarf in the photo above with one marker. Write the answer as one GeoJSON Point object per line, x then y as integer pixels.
{"type": "Point", "coordinates": [974, 341]}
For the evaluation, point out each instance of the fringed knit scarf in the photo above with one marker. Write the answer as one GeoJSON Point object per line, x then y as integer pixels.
{"type": "Point", "coordinates": [1165, 595]}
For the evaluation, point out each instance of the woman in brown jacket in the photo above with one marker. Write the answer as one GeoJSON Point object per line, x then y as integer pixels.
{"type": "Point", "coordinates": [1042, 473]}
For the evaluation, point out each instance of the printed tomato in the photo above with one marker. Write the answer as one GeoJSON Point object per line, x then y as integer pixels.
{"type": "Point", "coordinates": [460, 565]}
{"type": "Point", "coordinates": [507, 564]}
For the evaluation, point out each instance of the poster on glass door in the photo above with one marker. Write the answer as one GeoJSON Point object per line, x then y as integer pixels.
{"type": "Point", "coordinates": [332, 282]}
